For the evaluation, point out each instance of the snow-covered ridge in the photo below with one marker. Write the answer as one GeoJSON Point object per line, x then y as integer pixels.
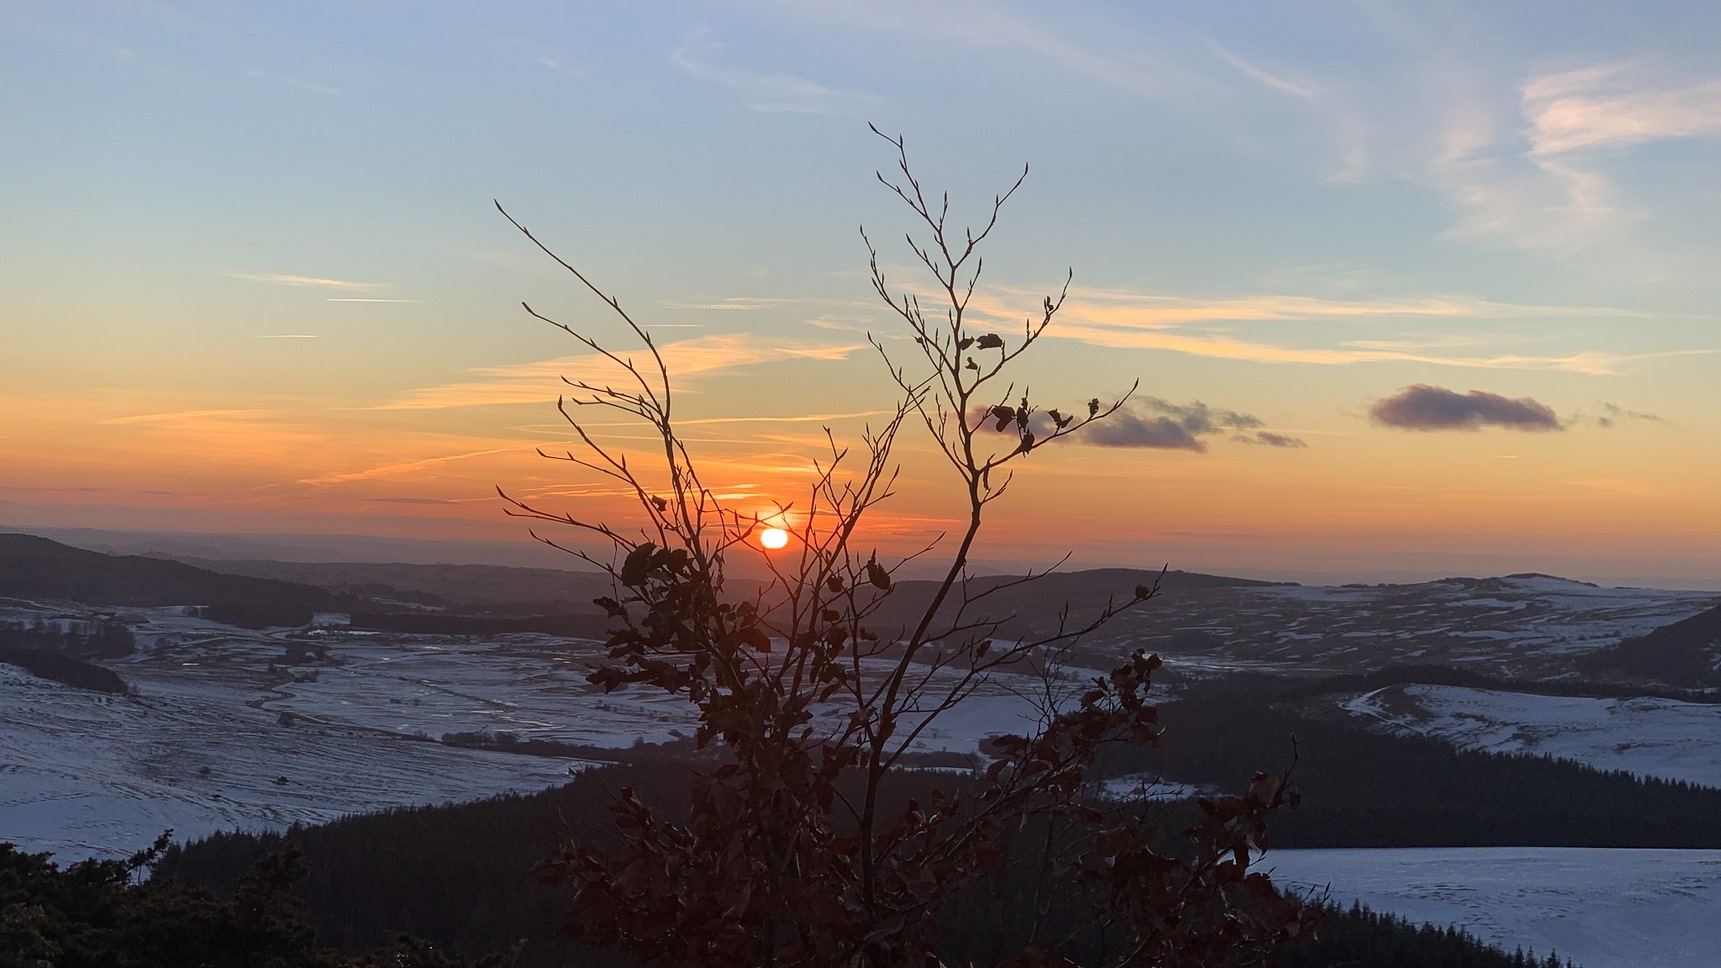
{"type": "Point", "coordinates": [1648, 736]}
{"type": "Point", "coordinates": [1520, 626]}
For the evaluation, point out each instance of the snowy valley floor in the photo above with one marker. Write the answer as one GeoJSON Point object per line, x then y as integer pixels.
{"type": "Point", "coordinates": [1601, 908]}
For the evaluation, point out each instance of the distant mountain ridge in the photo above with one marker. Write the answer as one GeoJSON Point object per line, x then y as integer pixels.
{"type": "Point", "coordinates": [440, 585]}
{"type": "Point", "coordinates": [39, 568]}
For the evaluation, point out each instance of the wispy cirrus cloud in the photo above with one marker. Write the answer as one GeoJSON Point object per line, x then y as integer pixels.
{"type": "Point", "coordinates": [1130, 320]}
{"type": "Point", "coordinates": [1589, 362]}
{"type": "Point", "coordinates": [539, 380]}
{"type": "Point", "coordinates": [1300, 88]}
{"type": "Point", "coordinates": [187, 416]}
{"type": "Point", "coordinates": [1139, 309]}
{"type": "Point", "coordinates": [1615, 105]}
{"type": "Point", "coordinates": [399, 469]}
{"type": "Point", "coordinates": [1136, 61]}
{"type": "Point", "coordinates": [768, 92]}
{"type": "Point", "coordinates": [309, 282]}
{"type": "Point", "coordinates": [218, 435]}
{"type": "Point", "coordinates": [1544, 179]}
{"type": "Point", "coordinates": [730, 304]}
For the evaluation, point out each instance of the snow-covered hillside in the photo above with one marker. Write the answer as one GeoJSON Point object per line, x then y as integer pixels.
{"type": "Point", "coordinates": [1601, 908]}
{"type": "Point", "coordinates": [232, 727]}
{"type": "Point", "coordinates": [1647, 736]}
{"type": "Point", "coordinates": [1526, 626]}
{"type": "Point", "coordinates": [85, 774]}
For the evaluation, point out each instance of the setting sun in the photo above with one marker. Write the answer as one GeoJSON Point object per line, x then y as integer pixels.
{"type": "Point", "coordinates": [774, 538]}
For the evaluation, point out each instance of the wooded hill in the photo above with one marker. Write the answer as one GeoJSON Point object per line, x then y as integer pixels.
{"type": "Point", "coordinates": [462, 875]}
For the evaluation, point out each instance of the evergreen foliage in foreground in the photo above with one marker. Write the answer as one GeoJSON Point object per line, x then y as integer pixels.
{"type": "Point", "coordinates": [102, 914]}
{"type": "Point", "coordinates": [463, 877]}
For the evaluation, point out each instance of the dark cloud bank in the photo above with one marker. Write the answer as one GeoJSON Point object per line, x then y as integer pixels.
{"type": "Point", "coordinates": [1422, 407]}
{"type": "Point", "coordinates": [1160, 424]}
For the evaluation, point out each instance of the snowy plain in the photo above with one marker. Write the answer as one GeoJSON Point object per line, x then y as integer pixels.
{"type": "Point", "coordinates": [224, 732]}
{"type": "Point", "coordinates": [1601, 908]}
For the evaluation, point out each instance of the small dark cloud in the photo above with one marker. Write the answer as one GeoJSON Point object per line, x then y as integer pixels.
{"type": "Point", "coordinates": [1144, 422]}
{"type": "Point", "coordinates": [1422, 407]}
{"type": "Point", "coordinates": [1123, 429]}
{"type": "Point", "coordinates": [1271, 439]}
{"type": "Point", "coordinates": [1152, 422]}
{"type": "Point", "coordinates": [1615, 413]}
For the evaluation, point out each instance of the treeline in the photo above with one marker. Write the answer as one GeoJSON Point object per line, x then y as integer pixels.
{"type": "Point", "coordinates": [463, 878]}
{"type": "Point", "coordinates": [1685, 651]}
{"type": "Point", "coordinates": [100, 914]}
{"type": "Point", "coordinates": [63, 668]}
{"type": "Point", "coordinates": [1442, 675]}
{"type": "Point", "coordinates": [590, 625]}
{"type": "Point", "coordinates": [1361, 938]}
{"type": "Point", "coordinates": [1365, 789]}
{"type": "Point", "coordinates": [107, 639]}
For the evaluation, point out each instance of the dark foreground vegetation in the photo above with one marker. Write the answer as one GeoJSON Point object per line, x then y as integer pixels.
{"type": "Point", "coordinates": [63, 668]}
{"type": "Point", "coordinates": [102, 914]}
{"type": "Point", "coordinates": [99, 914]}
{"type": "Point", "coordinates": [462, 877]}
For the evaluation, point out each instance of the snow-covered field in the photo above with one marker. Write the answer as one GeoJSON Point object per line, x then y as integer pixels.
{"type": "Point", "coordinates": [85, 774]}
{"type": "Point", "coordinates": [225, 732]}
{"type": "Point", "coordinates": [1601, 908]}
{"type": "Point", "coordinates": [1645, 735]}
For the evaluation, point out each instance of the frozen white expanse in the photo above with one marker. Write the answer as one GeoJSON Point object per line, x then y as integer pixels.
{"type": "Point", "coordinates": [226, 732]}
{"type": "Point", "coordinates": [85, 774]}
{"type": "Point", "coordinates": [1601, 908]}
{"type": "Point", "coordinates": [1647, 736]}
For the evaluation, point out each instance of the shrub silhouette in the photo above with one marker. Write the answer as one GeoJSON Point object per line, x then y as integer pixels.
{"type": "Point", "coordinates": [791, 853]}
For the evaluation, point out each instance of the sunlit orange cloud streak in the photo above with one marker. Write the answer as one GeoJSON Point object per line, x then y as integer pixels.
{"type": "Point", "coordinates": [1590, 362]}
{"type": "Point", "coordinates": [398, 469]}
{"type": "Point", "coordinates": [312, 282]}
{"type": "Point", "coordinates": [539, 380]}
{"type": "Point", "coordinates": [1124, 308]}
{"type": "Point", "coordinates": [229, 437]}
{"type": "Point", "coordinates": [1125, 320]}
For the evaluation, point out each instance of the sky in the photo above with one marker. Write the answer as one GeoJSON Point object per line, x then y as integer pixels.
{"type": "Point", "coordinates": [1410, 288]}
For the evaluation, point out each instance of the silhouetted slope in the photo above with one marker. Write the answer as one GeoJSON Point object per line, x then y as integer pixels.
{"type": "Point", "coordinates": [436, 585]}
{"type": "Point", "coordinates": [1684, 655]}
{"type": "Point", "coordinates": [1035, 606]}
{"type": "Point", "coordinates": [34, 567]}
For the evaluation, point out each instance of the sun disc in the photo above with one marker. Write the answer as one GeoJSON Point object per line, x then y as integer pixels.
{"type": "Point", "coordinates": [774, 538]}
